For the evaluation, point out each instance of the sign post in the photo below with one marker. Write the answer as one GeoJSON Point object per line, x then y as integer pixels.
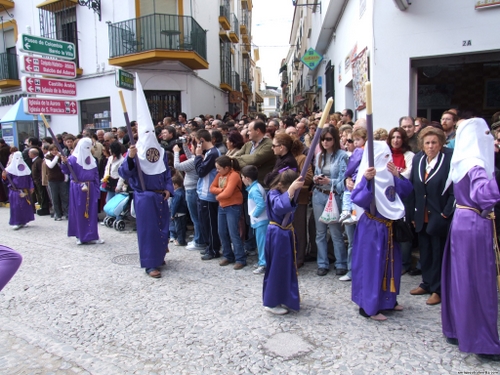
{"type": "Point", "coordinates": [45, 46]}
{"type": "Point", "coordinates": [50, 106]}
{"type": "Point", "coordinates": [124, 80]}
{"type": "Point", "coordinates": [311, 58]}
{"type": "Point", "coordinates": [48, 67]}
{"type": "Point", "coordinates": [48, 86]}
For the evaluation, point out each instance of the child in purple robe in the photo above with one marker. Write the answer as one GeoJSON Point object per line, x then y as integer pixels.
{"type": "Point", "coordinates": [20, 191]}
{"type": "Point", "coordinates": [281, 287]}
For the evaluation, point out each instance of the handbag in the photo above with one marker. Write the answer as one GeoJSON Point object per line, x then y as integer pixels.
{"type": "Point", "coordinates": [330, 213]}
{"type": "Point", "coordinates": [402, 231]}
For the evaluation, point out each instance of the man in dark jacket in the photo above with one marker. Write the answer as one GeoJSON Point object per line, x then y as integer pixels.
{"type": "Point", "coordinates": [36, 174]}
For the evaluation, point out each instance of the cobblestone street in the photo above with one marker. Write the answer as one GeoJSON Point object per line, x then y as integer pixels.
{"type": "Point", "coordinates": [71, 310]}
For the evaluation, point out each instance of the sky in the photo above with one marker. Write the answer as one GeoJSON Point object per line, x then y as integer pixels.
{"type": "Point", "coordinates": [272, 23]}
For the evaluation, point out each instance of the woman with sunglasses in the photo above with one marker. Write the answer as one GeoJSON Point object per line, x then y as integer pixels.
{"type": "Point", "coordinates": [282, 147]}
{"type": "Point", "coordinates": [330, 167]}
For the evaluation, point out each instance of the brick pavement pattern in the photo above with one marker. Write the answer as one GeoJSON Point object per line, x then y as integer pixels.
{"type": "Point", "coordinates": [70, 310]}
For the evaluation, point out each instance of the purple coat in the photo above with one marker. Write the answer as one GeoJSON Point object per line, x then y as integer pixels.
{"type": "Point", "coordinates": [468, 284]}
{"type": "Point", "coordinates": [281, 285]}
{"type": "Point", "coordinates": [21, 209]}
{"type": "Point", "coordinates": [82, 213]}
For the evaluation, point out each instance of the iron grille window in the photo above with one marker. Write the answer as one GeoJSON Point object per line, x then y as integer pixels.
{"type": "Point", "coordinates": [59, 22]}
{"type": "Point", "coordinates": [225, 62]}
{"type": "Point", "coordinates": [163, 104]}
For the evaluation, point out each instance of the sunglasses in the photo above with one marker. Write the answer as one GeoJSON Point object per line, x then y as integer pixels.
{"type": "Point", "coordinates": [349, 141]}
{"type": "Point", "coordinates": [273, 146]}
{"type": "Point", "coordinates": [327, 139]}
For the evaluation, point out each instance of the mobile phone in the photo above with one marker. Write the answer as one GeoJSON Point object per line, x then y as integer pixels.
{"type": "Point", "coordinates": [321, 176]}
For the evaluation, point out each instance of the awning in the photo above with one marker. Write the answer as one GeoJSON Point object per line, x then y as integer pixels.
{"type": "Point", "coordinates": [258, 98]}
{"type": "Point", "coordinates": [57, 5]}
{"type": "Point", "coordinates": [16, 113]}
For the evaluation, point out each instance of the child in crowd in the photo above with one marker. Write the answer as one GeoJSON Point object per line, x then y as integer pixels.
{"type": "Point", "coordinates": [281, 287]}
{"type": "Point", "coordinates": [226, 187]}
{"type": "Point", "coordinates": [359, 138]}
{"type": "Point", "coordinates": [178, 212]}
{"type": "Point", "coordinates": [20, 191]}
{"type": "Point", "coordinates": [257, 212]}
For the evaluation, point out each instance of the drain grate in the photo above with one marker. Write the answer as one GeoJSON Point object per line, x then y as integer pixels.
{"type": "Point", "coordinates": [126, 259]}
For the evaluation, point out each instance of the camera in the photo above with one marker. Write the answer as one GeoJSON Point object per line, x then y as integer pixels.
{"type": "Point", "coordinates": [181, 140]}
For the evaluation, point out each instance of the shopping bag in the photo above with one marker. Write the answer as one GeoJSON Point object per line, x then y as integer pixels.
{"type": "Point", "coordinates": [331, 213]}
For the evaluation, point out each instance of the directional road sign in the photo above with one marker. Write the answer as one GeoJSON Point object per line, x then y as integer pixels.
{"type": "Point", "coordinates": [49, 67]}
{"type": "Point", "coordinates": [48, 86]}
{"type": "Point", "coordinates": [46, 46]}
{"type": "Point", "coordinates": [50, 106]}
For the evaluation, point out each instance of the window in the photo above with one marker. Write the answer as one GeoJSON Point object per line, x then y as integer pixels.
{"type": "Point", "coordinates": [95, 113]}
{"type": "Point", "coordinates": [330, 82]}
{"type": "Point", "coordinates": [272, 102]}
{"type": "Point", "coordinates": [58, 21]}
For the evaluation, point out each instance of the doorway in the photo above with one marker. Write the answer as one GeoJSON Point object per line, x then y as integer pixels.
{"type": "Point", "coordinates": [163, 104]}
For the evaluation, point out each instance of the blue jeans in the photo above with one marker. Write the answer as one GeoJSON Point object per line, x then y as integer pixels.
{"type": "Point", "coordinates": [180, 223]}
{"type": "Point", "coordinates": [349, 230]}
{"type": "Point", "coordinates": [229, 231]}
{"type": "Point", "coordinates": [346, 201]}
{"type": "Point", "coordinates": [260, 235]}
{"type": "Point", "coordinates": [191, 199]}
{"type": "Point", "coordinates": [319, 200]}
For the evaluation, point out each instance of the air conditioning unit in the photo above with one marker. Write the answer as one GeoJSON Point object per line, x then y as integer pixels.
{"type": "Point", "coordinates": [402, 4]}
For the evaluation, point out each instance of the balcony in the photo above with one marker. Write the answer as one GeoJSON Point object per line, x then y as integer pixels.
{"type": "Point", "coordinates": [7, 4]}
{"type": "Point", "coordinates": [245, 22]}
{"type": "Point", "coordinates": [246, 4]}
{"type": "Point", "coordinates": [225, 9]}
{"type": "Point", "coordinates": [246, 83]}
{"type": "Point", "coordinates": [236, 81]}
{"type": "Point", "coordinates": [234, 34]}
{"type": "Point", "coordinates": [225, 67]}
{"type": "Point", "coordinates": [9, 73]}
{"type": "Point", "coordinates": [158, 37]}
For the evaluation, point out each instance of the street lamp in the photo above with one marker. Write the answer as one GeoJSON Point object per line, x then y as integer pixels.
{"type": "Point", "coordinates": [296, 63]}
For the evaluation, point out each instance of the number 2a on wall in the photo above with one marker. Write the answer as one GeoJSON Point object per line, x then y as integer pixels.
{"type": "Point", "coordinates": [466, 43]}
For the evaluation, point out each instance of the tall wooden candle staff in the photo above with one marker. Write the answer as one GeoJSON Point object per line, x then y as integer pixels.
{"type": "Point", "coordinates": [132, 140]}
{"type": "Point", "coordinates": [369, 129]}
{"type": "Point", "coordinates": [314, 143]}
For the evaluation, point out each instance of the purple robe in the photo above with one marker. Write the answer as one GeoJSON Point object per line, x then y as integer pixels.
{"type": "Point", "coordinates": [469, 291]}
{"type": "Point", "coordinates": [152, 212]}
{"type": "Point", "coordinates": [369, 253]}
{"type": "Point", "coordinates": [21, 209]}
{"type": "Point", "coordinates": [281, 285]}
{"type": "Point", "coordinates": [80, 202]}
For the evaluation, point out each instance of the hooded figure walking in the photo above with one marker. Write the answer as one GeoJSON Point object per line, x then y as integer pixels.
{"type": "Point", "coordinates": [151, 204]}
{"type": "Point", "coordinates": [469, 290]}
{"type": "Point", "coordinates": [83, 193]}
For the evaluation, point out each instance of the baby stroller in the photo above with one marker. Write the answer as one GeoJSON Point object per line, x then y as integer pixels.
{"type": "Point", "coordinates": [116, 210]}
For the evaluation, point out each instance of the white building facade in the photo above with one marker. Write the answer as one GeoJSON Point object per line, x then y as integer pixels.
{"type": "Point", "coordinates": [422, 58]}
{"type": "Point", "coordinates": [192, 56]}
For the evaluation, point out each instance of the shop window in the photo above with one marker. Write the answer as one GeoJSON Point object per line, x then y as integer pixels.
{"type": "Point", "coordinates": [96, 114]}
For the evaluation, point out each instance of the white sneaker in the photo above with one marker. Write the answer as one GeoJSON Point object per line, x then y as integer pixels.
{"type": "Point", "coordinates": [194, 246]}
{"type": "Point", "coordinates": [278, 310]}
{"type": "Point", "coordinates": [344, 216]}
{"type": "Point", "coordinates": [78, 242]}
{"type": "Point", "coordinates": [259, 270]}
{"type": "Point", "coordinates": [16, 227]}
{"type": "Point", "coordinates": [98, 241]}
{"type": "Point", "coordinates": [345, 278]}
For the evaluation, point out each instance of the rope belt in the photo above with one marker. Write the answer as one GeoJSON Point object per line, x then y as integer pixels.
{"type": "Point", "coordinates": [27, 194]}
{"type": "Point", "coordinates": [290, 228]}
{"type": "Point", "coordinates": [491, 216]}
{"type": "Point", "coordinates": [390, 252]}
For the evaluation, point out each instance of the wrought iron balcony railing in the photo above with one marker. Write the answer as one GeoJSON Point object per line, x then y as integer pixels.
{"type": "Point", "coordinates": [157, 32]}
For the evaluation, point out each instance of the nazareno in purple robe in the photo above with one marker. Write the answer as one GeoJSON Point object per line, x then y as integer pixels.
{"type": "Point", "coordinates": [21, 209]}
{"type": "Point", "coordinates": [10, 261]}
{"type": "Point", "coordinates": [81, 202]}
{"type": "Point", "coordinates": [369, 253]}
{"type": "Point", "coordinates": [281, 285]}
{"type": "Point", "coordinates": [469, 298]}
{"type": "Point", "coordinates": [152, 212]}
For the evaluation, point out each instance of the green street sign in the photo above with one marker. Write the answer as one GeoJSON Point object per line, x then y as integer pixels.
{"type": "Point", "coordinates": [311, 59]}
{"type": "Point", "coordinates": [45, 46]}
{"type": "Point", "coordinates": [124, 80]}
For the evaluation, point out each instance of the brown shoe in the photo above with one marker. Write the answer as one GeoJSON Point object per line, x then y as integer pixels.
{"type": "Point", "coordinates": [224, 262]}
{"type": "Point", "coordinates": [238, 266]}
{"type": "Point", "coordinates": [418, 291]}
{"type": "Point", "coordinates": [434, 299]}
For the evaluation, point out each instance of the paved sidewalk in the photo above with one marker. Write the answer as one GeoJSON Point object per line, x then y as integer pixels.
{"type": "Point", "coordinates": [71, 310]}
